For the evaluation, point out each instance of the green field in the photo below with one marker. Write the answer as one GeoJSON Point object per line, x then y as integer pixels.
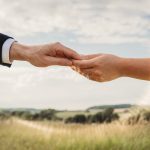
{"type": "Point", "coordinates": [24, 135]}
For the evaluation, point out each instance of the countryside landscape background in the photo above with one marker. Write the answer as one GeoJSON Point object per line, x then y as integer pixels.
{"type": "Point", "coordinates": [55, 108]}
{"type": "Point", "coordinates": [111, 127]}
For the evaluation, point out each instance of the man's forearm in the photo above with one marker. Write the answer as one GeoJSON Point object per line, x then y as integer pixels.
{"type": "Point", "coordinates": [135, 68]}
{"type": "Point", "coordinates": [43, 55]}
{"type": "Point", "coordinates": [19, 52]}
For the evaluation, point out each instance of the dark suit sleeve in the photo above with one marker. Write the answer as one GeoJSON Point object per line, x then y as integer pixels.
{"type": "Point", "coordinates": [3, 38]}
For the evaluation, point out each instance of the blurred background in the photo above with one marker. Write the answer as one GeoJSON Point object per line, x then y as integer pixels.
{"type": "Point", "coordinates": [87, 26]}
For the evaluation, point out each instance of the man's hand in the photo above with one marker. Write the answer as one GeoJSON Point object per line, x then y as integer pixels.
{"type": "Point", "coordinates": [44, 55]}
{"type": "Point", "coordinates": [99, 67]}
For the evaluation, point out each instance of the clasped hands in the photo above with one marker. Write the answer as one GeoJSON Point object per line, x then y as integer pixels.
{"type": "Point", "coordinates": [97, 67]}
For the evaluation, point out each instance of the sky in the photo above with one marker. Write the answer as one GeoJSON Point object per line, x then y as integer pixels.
{"type": "Point", "coordinates": [88, 26]}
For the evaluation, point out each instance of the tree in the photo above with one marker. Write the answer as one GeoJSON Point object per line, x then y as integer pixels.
{"type": "Point", "coordinates": [108, 115]}
{"type": "Point", "coordinates": [80, 118]}
{"type": "Point", "coordinates": [97, 118]}
{"type": "Point", "coordinates": [47, 114]}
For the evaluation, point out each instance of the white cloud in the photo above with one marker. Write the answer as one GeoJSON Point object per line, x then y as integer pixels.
{"type": "Point", "coordinates": [94, 21]}
{"type": "Point", "coordinates": [90, 21]}
{"type": "Point", "coordinates": [61, 88]}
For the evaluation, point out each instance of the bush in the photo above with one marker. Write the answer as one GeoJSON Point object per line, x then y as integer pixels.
{"type": "Point", "coordinates": [97, 118]}
{"type": "Point", "coordinates": [115, 116]}
{"type": "Point", "coordinates": [47, 114]}
{"type": "Point", "coordinates": [146, 116]}
{"type": "Point", "coordinates": [69, 120]}
{"type": "Point", "coordinates": [77, 119]}
{"type": "Point", "coordinates": [109, 115]}
{"type": "Point", "coordinates": [106, 116]}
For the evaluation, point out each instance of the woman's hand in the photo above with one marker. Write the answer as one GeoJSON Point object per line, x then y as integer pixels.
{"type": "Point", "coordinates": [99, 67]}
{"type": "Point", "coordinates": [106, 67]}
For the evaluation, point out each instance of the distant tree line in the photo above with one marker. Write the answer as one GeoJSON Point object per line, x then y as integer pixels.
{"type": "Point", "coordinates": [48, 114]}
{"type": "Point", "coordinates": [119, 106]}
{"type": "Point", "coordinates": [107, 116]}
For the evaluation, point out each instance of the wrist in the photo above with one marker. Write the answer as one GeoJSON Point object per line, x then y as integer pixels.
{"type": "Point", "coordinates": [18, 52]}
{"type": "Point", "coordinates": [125, 66]}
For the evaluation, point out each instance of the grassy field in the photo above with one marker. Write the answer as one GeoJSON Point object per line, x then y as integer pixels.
{"type": "Point", "coordinates": [24, 135]}
{"type": "Point", "coordinates": [65, 114]}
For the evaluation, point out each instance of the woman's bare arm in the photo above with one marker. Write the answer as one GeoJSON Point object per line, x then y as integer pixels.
{"type": "Point", "coordinates": [136, 68]}
{"type": "Point", "coordinates": [107, 67]}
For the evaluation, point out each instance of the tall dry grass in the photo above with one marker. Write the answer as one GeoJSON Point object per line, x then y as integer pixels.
{"type": "Point", "coordinates": [24, 135]}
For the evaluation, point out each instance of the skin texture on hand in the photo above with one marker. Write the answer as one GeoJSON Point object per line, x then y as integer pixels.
{"type": "Point", "coordinates": [106, 67]}
{"type": "Point", "coordinates": [98, 67]}
{"type": "Point", "coordinates": [44, 55]}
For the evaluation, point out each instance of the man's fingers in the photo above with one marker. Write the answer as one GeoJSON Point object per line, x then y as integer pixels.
{"type": "Point", "coordinates": [59, 61]}
{"type": "Point", "coordinates": [83, 63]}
{"type": "Point", "coordinates": [86, 57]}
{"type": "Point", "coordinates": [72, 54]}
{"type": "Point", "coordinates": [59, 50]}
{"type": "Point", "coordinates": [62, 62]}
{"type": "Point", "coordinates": [69, 53]}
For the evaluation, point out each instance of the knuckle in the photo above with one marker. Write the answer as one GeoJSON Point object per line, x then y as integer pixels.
{"type": "Point", "coordinates": [57, 43]}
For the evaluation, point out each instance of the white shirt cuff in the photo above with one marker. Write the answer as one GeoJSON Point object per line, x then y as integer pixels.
{"type": "Point", "coordinates": [6, 50]}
